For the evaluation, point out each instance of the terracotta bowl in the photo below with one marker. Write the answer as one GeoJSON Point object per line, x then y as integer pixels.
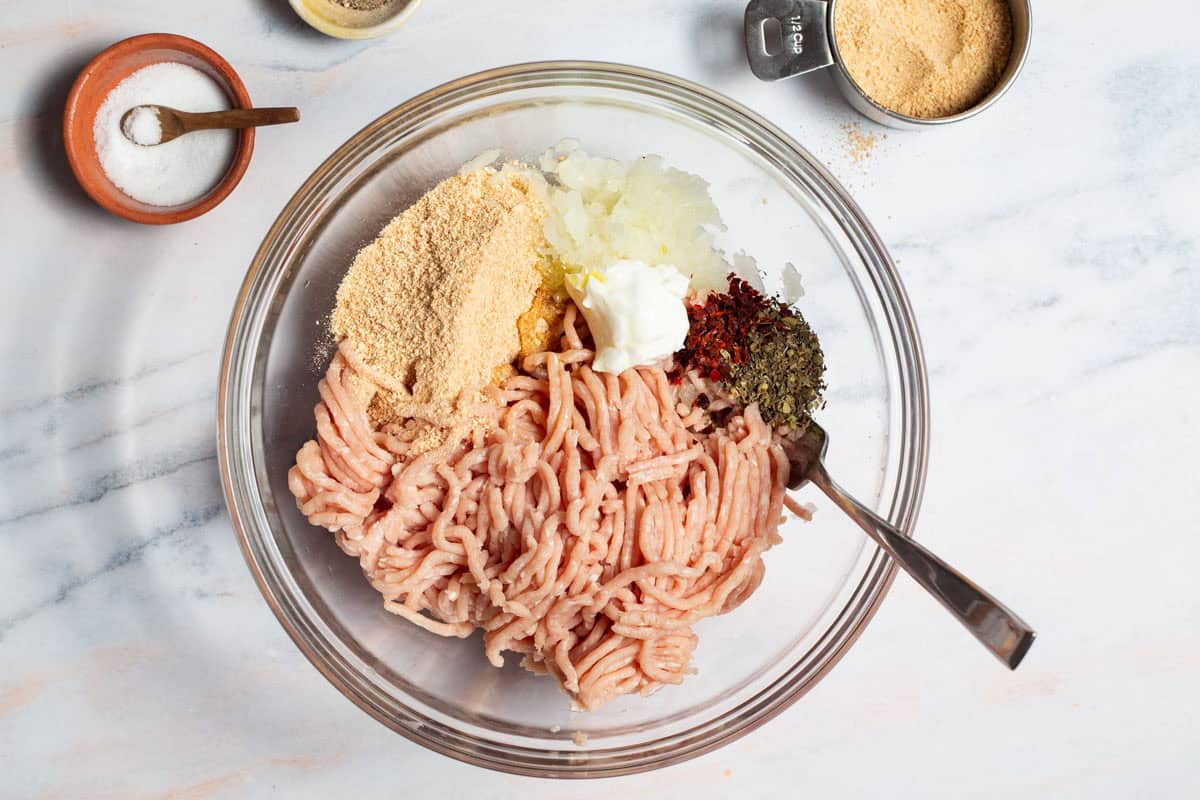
{"type": "Point", "coordinates": [94, 83]}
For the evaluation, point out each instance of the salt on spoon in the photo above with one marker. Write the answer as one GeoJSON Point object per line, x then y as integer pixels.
{"type": "Point", "coordinates": [135, 140]}
{"type": "Point", "coordinates": [141, 126]}
{"type": "Point", "coordinates": [150, 125]}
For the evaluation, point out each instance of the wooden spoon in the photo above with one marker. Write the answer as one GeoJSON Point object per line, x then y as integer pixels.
{"type": "Point", "coordinates": [152, 124]}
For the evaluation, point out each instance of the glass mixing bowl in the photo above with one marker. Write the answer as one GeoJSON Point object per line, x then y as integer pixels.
{"type": "Point", "coordinates": [822, 584]}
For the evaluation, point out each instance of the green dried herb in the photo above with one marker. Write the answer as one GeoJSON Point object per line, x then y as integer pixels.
{"type": "Point", "coordinates": [761, 349]}
{"type": "Point", "coordinates": [784, 370]}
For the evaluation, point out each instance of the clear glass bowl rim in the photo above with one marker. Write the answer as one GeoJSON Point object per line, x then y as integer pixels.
{"type": "Point", "coordinates": [235, 401]}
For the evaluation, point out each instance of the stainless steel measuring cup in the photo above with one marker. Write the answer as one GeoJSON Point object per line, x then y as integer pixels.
{"type": "Point", "coordinates": [806, 42]}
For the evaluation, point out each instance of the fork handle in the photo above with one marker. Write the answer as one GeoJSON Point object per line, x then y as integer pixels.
{"type": "Point", "coordinates": [997, 628]}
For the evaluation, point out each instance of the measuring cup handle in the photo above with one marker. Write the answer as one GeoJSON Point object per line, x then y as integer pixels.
{"type": "Point", "coordinates": [804, 30]}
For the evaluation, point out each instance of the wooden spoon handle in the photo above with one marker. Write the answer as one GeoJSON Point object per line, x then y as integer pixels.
{"type": "Point", "coordinates": [238, 118]}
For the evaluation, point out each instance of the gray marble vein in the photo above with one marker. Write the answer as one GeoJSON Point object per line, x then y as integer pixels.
{"type": "Point", "coordinates": [190, 520]}
{"type": "Point", "coordinates": [1050, 250]}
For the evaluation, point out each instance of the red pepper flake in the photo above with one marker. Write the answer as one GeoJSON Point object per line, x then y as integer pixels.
{"type": "Point", "coordinates": [718, 328]}
{"type": "Point", "coordinates": [760, 349]}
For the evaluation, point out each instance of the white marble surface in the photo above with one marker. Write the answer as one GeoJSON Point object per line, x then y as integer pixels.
{"type": "Point", "coordinates": [1050, 250]}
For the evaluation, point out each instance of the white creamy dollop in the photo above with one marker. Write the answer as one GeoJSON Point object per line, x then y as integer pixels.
{"type": "Point", "coordinates": [634, 310]}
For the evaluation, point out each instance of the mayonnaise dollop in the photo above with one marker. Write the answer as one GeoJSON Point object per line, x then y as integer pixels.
{"type": "Point", "coordinates": [634, 310]}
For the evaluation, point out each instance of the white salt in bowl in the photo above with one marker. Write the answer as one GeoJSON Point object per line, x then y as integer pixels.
{"type": "Point", "coordinates": [101, 76]}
